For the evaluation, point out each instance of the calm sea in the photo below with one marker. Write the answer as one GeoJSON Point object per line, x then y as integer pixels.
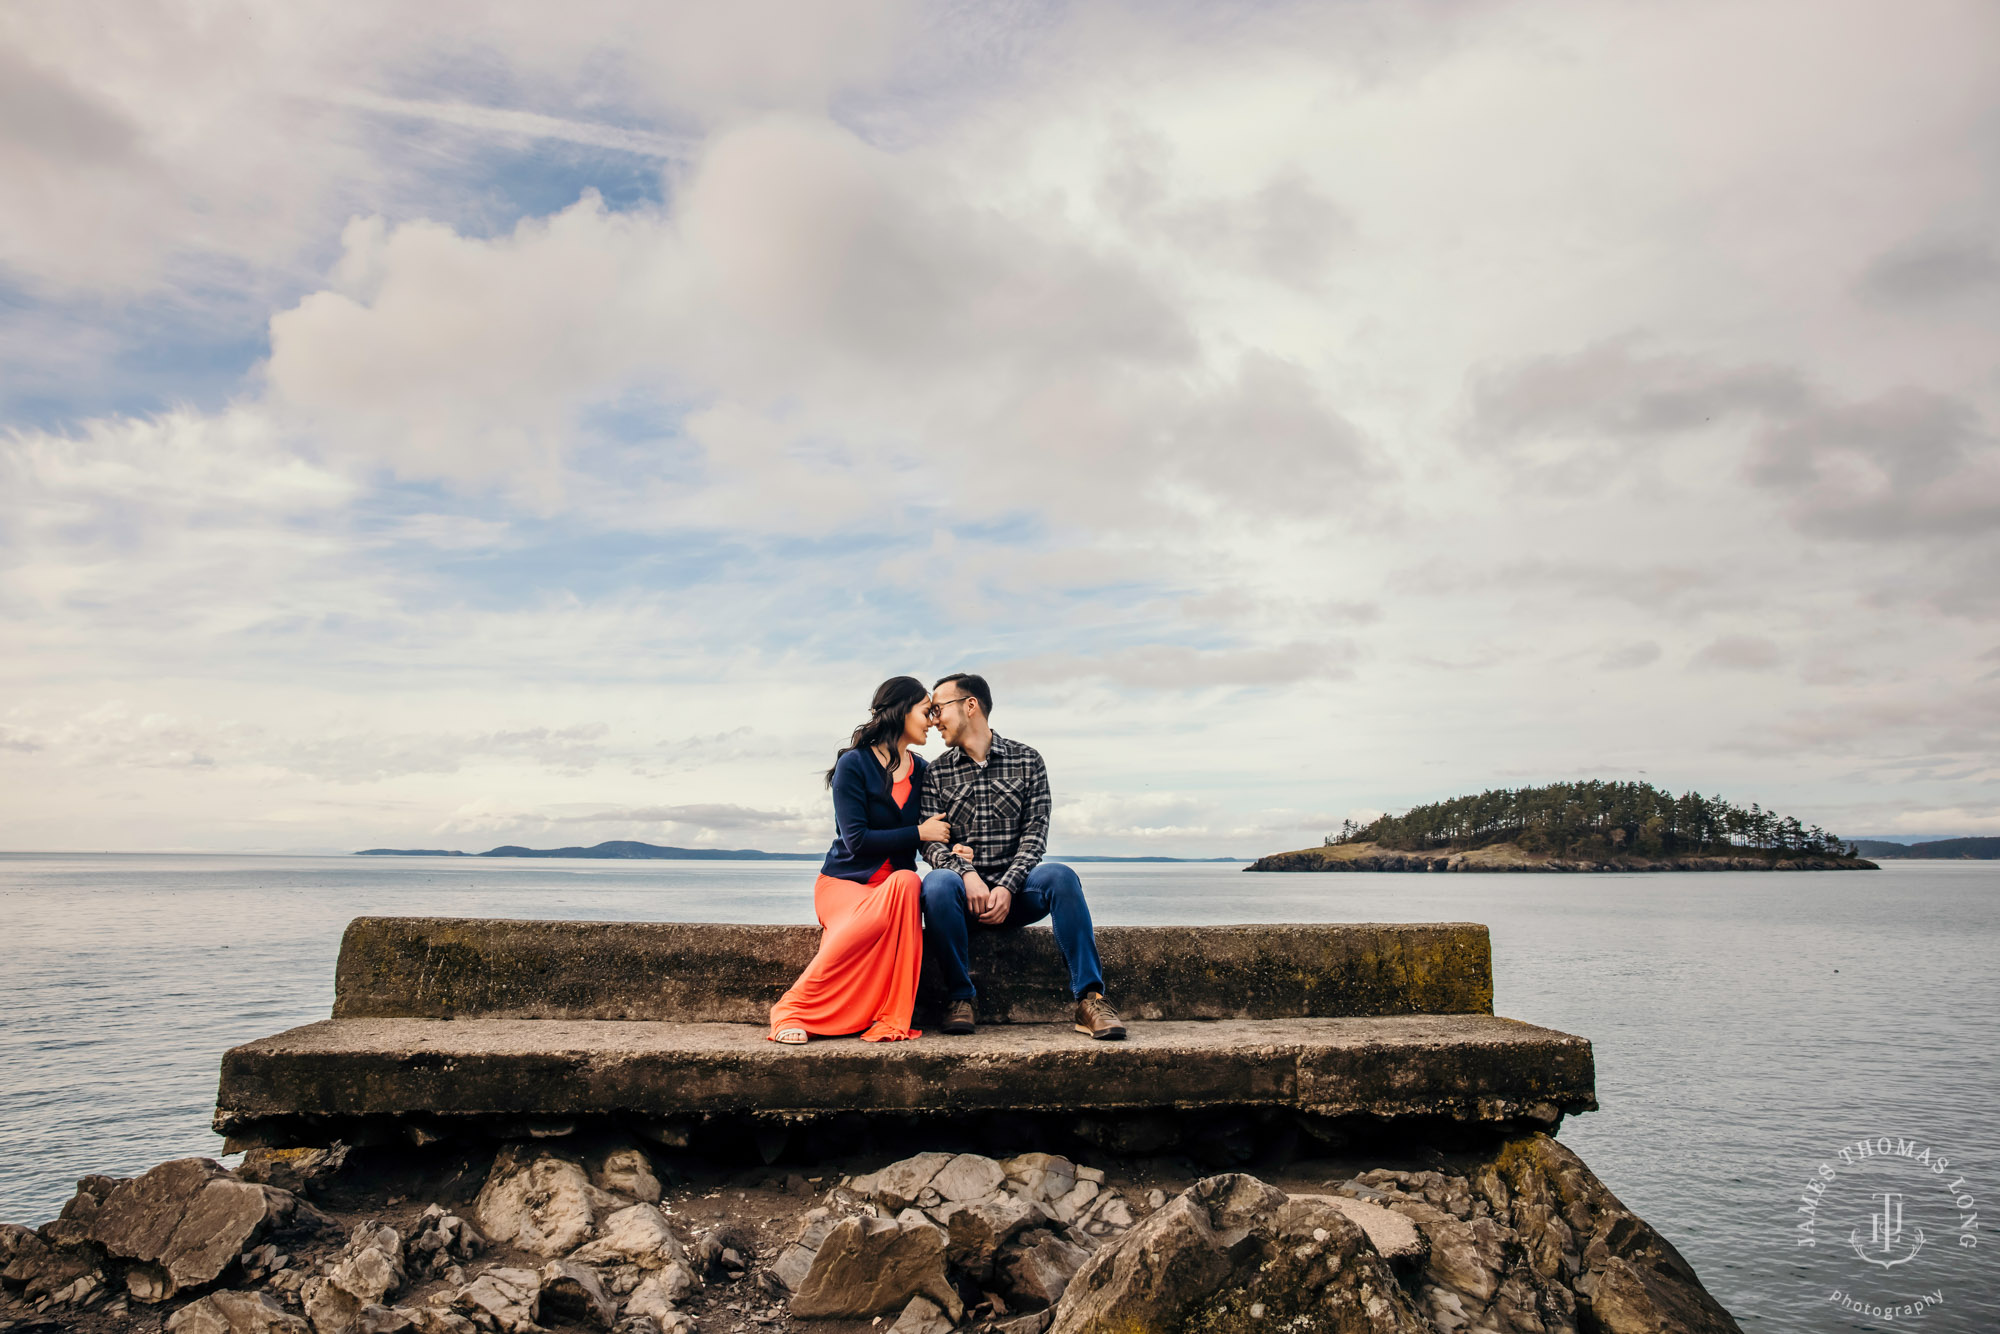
{"type": "Point", "coordinates": [1746, 1026]}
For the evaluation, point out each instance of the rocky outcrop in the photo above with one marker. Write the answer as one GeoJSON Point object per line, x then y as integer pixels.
{"type": "Point", "coordinates": [1507, 857]}
{"type": "Point", "coordinates": [1522, 1240]}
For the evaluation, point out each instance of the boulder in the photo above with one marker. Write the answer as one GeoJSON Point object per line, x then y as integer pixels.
{"type": "Point", "coordinates": [1629, 1274]}
{"type": "Point", "coordinates": [660, 1293]}
{"type": "Point", "coordinates": [628, 1172]}
{"type": "Point", "coordinates": [41, 1270]}
{"type": "Point", "coordinates": [537, 1201]}
{"type": "Point", "coordinates": [235, 1313]}
{"type": "Point", "coordinates": [899, 1185]}
{"type": "Point", "coordinates": [300, 1171]}
{"type": "Point", "coordinates": [437, 1320]}
{"type": "Point", "coordinates": [795, 1261]}
{"type": "Point", "coordinates": [571, 1292]}
{"type": "Point", "coordinates": [1039, 1176]}
{"type": "Point", "coordinates": [921, 1316]}
{"type": "Point", "coordinates": [348, 1298]}
{"type": "Point", "coordinates": [873, 1266]}
{"type": "Point", "coordinates": [503, 1301]}
{"type": "Point", "coordinates": [1036, 1270]}
{"type": "Point", "coordinates": [440, 1241]}
{"type": "Point", "coordinates": [1232, 1252]}
{"type": "Point", "coordinates": [638, 1235]}
{"type": "Point", "coordinates": [1394, 1237]}
{"type": "Point", "coordinates": [968, 1177]}
{"type": "Point", "coordinates": [191, 1219]}
{"type": "Point", "coordinates": [138, 1218]}
{"type": "Point", "coordinates": [1072, 1204]}
{"type": "Point", "coordinates": [975, 1232]}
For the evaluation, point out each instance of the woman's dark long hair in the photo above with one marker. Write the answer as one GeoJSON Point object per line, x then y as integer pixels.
{"type": "Point", "coordinates": [894, 698]}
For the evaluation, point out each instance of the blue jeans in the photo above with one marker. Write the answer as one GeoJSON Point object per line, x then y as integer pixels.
{"type": "Point", "coordinates": [1052, 891]}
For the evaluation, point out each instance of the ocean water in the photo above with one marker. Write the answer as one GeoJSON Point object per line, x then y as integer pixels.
{"type": "Point", "coordinates": [1747, 1026]}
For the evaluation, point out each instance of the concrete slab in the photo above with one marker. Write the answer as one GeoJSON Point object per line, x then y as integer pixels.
{"type": "Point", "coordinates": [1465, 1068]}
{"type": "Point", "coordinates": [444, 968]}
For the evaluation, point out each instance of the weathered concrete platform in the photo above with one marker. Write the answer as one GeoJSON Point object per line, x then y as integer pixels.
{"type": "Point", "coordinates": [446, 1027]}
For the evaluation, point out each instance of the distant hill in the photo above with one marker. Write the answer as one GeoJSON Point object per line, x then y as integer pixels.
{"type": "Point", "coordinates": [1940, 849]}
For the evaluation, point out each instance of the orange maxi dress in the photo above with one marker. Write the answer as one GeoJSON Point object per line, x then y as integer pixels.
{"type": "Point", "coordinates": [864, 978]}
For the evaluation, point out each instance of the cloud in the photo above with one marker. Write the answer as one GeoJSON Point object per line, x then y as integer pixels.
{"type": "Point", "coordinates": [1930, 271]}
{"type": "Point", "coordinates": [1910, 464]}
{"type": "Point", "coordinates": [1630, 657]}
{"type": "Point", "coordinates": [1175, 667]}
{"type": "Point", "coordinates": [1612, 395]}
{"type": "Point", "coordinates": [1740, 653]}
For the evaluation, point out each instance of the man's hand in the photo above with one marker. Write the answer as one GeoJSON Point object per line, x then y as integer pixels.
{"type": "Point", "coordinates": [987, 903]}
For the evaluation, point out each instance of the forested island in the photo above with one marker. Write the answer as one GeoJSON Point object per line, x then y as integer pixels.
{"type": "Point", "coordinates": [1933, 850]}
{"type": "Point", "coordinates": [1590, 826]}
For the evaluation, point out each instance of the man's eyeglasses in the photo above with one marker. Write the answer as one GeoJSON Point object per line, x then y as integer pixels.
{"type": "Point", "coordinates": [936, 710]}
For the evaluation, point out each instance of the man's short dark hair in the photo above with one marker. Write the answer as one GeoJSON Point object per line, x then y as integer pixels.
{"type": "Point", "coordinates": [972, 685]}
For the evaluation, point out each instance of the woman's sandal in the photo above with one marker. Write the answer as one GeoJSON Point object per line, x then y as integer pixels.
{"type": "Point", "coordinates": [791, 1037]}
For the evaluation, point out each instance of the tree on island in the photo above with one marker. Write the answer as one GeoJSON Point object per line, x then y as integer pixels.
{"type": "Point", "coordinates": [1594, 819]}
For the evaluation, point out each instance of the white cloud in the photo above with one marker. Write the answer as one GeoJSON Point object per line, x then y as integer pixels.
{"type": "Point", "coordinates": [1302, 410]}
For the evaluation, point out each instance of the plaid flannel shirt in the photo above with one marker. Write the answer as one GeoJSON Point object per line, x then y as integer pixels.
{"type": "Point", "coordinates": [1000, 809]}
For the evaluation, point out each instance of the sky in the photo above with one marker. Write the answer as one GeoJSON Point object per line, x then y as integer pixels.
{"type": "Point", "coordinates": [466, 424]}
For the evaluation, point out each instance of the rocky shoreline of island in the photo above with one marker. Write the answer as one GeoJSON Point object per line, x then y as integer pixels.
{"type": "Point", "coordinates": [621, 1234]}
{"type": "Point", "coordinates": [1509, 857]}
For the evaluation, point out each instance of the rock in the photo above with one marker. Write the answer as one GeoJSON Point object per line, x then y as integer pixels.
{"type": "Point", "coordinates": [506, 1301]}
{"type": "Point", "coordinates": [440, 1241]}
{"type": "Point", "coordinates": [1155, 1198]}
{"type": "Point", "coordinates": [235, 1313]}
{"type": "Point", "coordinates": [1113, 1214]}
{"type": "Point", "coordinates": [91, 1192]}
{"type": "Point", "coordinates": [638, 1235]}
{"type": "Point", "coordinates": [148, 1284]}
{"type": "Point", "coordinates": [346, 1299]}
{"type": "Point", "coordinates": [572, 1292]}
{"type": "Point", "coordinates": [660, 1293]}
{"type": "Point", "coordinates": [1394, 1237]}
{"type": "Point", "coordinates": [795, 1261]}
{"type": "Point", "coordinates": [1232, 1252]}
{"type": "Point", "coordinates": [437, 1320]}
{"type": "Point", "coordinates": [627, 1172]}
{"type": "Point", "coordinates": [190, 1218]}
{"type": "Point", "coordinates": [1034, 1322]}
{"type": "Point", "coordinates": [1630, 1273]}
{"type": "Point", "coordinates": [968, 1177]}
{"type": "Point", "coordinates": [41, 1270]}
{"type": "Point", "coordinates": [1466, 1257]}
{"type": "Point", "coordinates": [301, 1171]}
{"type": "Point", "coordinates": [1075, 1201]}
{"type": "Point", "coordinates": [975, 1232]}
{"type": "Point", "coordinates": [1094, 1175]}
{"type": "Point", "coordinates": [1037, 1269]}
{"type": "Point", "coordinates": [898, 1185]}
{"type": "Point", "coordinates": [921, 1316]}
{"type": "Point", "coordinates": [537, 1201]}
{"type": "Point", "coordinates": [1039, 1176]}
{"type": "Point", "coordinates": [872, 1266]}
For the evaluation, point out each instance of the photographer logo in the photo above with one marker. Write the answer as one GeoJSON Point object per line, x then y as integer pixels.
{"type": "Point", "coordinates": [1897, 1214]}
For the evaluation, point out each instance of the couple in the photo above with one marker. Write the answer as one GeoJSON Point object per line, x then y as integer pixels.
{"type": "Point", "coordinates": [989, 794]}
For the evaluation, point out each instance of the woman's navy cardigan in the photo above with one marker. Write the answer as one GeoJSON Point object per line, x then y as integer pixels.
{"type": "Point", "coordinates": [869, 828]}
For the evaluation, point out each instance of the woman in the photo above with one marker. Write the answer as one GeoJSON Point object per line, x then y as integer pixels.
{"type": "Point", "coordinates": [864, 978]}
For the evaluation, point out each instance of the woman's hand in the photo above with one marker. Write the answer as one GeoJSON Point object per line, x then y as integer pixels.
{"type": "Point", "coordinates": [937, 829]}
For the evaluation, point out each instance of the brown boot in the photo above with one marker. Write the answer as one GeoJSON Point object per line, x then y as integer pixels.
{"type": "Point", "coordinates": [957, 1018]}
{"type": "Point", "coordinates": [1095, 1016]}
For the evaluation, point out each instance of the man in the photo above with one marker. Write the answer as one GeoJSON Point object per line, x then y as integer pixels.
{"type": "Point", "coordinates": [995, 793]}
